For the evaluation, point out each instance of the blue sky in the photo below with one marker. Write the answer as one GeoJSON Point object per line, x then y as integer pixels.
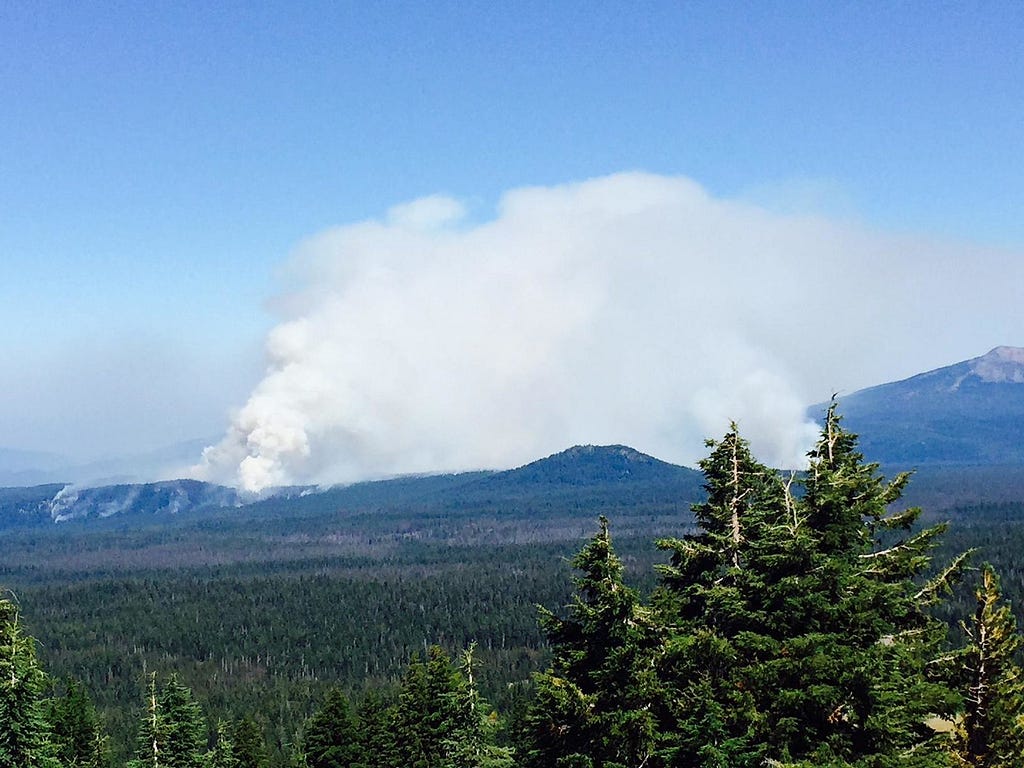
{"type": "Point", "coordinates": [159, 162]}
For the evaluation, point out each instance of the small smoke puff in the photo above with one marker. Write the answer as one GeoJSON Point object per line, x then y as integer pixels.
{"type": "Point", "coordinates": [631, 309]}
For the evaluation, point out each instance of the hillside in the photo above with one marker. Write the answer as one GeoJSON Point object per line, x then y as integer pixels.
{"type": "Point", "coordinates": [969, 413]}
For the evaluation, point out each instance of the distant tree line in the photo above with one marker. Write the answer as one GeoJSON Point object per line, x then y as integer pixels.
{"type": "Point", "coordinates": [799, 625]}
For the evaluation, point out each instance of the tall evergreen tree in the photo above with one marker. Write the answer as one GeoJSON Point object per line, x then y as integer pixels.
{"type": "Point", "coordinates": [854, 685]}
{"type": "Point", "coordinates": [990, 733]}
{"type": "Point", "coordinates": [375, 727]}
{"type": "Point", "coordinates": [473, 745]}
{"type": "Point", "coordinates": [428, 711]}
{"type": "Point", "coordinates": [250, 746]}
{"type": "Point", "coordinates": [594, 705]}
{"type": "Point", "coordinates": [223, 753]}
{"type": "Point", "coordinates": [76, 731]}
{"type": "Point", "coordinates": [172, 731]}
{"type": "Point", "coordinates": [719, 597]}
{"type": "Point", "coordinates": [332, 737]}
{"type": "Point", "coordinates": [24, 732]}
{"type": "Point", "coordinates": [798, 631]}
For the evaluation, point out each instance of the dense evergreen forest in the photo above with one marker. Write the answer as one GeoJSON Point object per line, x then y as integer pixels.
{"type": "Point", "coordinates": [784, 621]}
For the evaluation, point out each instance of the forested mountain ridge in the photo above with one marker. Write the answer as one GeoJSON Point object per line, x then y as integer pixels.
{"type": "Point", "coordinates": [969, 413]}
{"type": "Point", "coordinates": [57, 503]}
{"type": "Point", "coordinates": [595, 465]}
{"type": "Point", "coordinates": [617, 473]}
{"type": "Point", "coordinates": [797, 622]}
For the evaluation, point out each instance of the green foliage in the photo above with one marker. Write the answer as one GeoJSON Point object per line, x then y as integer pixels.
{"type": "Point", "coordinates": [77, 735]}
{"type": "Point", "coordinates": [375, 729]}
{"type": "Point", "coordinates": [798, 629]}
{"type": "Point", "coordinates": [249, 745]}
{"type": "Point", "coordinates": [856, 681]}
{"type": "Point", "coordinates": [429, 711]}
{"type": "Point", "coordinates": [172, 729]}
{"type": "Point", "coordinates": [990, 732]}
{"type": "Point", "coordinates": [473, 746]}
{"type": "Point", "coordinates": [332, 736]}
{"type": "Point", "coordinates": [24, 732]}
{"type": "Point", "coordinates": [595, 702]}
{"type": "Point", "coordinates": [223, 753]}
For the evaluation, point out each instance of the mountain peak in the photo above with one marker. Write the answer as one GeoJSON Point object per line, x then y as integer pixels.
{"type": "Point", "coordinates": [623, 452]}
{"type": "Point", "coordinates": [1001, 365]}
{"type": "Point", "coordinates": [970, 412]}
{"type": "Point", "coordinates": [594, 464]}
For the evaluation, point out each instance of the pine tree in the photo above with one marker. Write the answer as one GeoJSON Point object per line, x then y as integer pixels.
{"type": "Point", "coordinates": [990, 733]}
{"type": "Point", "coordinates": [473, 745]}
{"type": "Point", "coordinates": [375, 728]}
{"type": "Point", "coordinates": [76, 731]}
{"type": "Point", "coordinates": [798, 631]}
{"type": "Point", "coordinates": [428, 710]}
{"type": "Point", "coordinates": [223, 753]}
{"type": "Point", "coordinates": [719, 597]}
{"type": "Point", "coordinates": [594, 705]}
{"type": "Point", "coordinates": [172, 731]}
{"type": "Point", "coordinates": [332, 737]}
{"type": "Point", "coordinates": [250, 747]}
{"type": "Point", "coordinates": [24, 732]}
{"type": "Point", "coordinates": [25, 740]}
{"type": "Point", "coordinates": [854, 686]}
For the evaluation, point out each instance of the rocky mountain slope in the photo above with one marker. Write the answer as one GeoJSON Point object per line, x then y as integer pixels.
{"type": "Point", "coordinates": [969, 413]}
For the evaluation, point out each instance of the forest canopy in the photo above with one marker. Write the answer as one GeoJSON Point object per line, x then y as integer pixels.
{"type": "Point", "coordinates": [802, 622]}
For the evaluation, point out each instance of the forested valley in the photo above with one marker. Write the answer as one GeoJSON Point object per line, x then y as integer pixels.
{"type": "Point", "coordinates": [801, 621]}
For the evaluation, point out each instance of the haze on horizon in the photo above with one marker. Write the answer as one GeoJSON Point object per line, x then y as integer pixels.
{"type": "Point", "coordinates": [362, 241]}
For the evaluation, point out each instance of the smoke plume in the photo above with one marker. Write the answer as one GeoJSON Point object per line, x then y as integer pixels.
{"type": "Point", "coordinates": [631, 309]}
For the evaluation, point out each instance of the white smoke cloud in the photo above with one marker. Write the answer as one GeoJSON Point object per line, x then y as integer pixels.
{"type": "Point", "coordinates": [633, 308]}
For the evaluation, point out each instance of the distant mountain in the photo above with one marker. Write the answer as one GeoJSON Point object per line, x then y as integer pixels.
{"type": "Point", "coordinates": [18, 467]}
{"type": "Point", "coordinates": [583, 477]}
{"type": "Point", "coordinates": [25, 468]}
{"type": "Point", "coordinates": [968, 413]}
{"type": "Point", "coordinates": [960, 422]}
{"type": "Point", "coordinates": [57, 503]}
{"type": "Point", "coordinates": [584, 465]}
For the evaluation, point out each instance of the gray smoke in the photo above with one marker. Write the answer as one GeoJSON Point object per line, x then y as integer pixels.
{"type": "Point", "coordinates": [630, 309]}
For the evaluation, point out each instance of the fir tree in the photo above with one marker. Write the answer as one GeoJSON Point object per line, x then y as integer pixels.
{"type": "Point", "coordinates": [594, 705]}
{"type": "Point", "coordinates": [854, 684]}
{"type": "Point", "coordinates": [719, 597]}
{"type": "Point", "coordinates": [797, 627]}
{"type": "Point", "coordinates": [332, 736]}
{"type": "Point", "coordinates": [76, 731]}
{"type": "Point", "coordinates": [223, 753]}
{"type": "Point", "coordinates": [250, 747]}
{"type": "Point", "coordinates": [990, 733]}
{"type": "Point", "coordinates": [428, 710]}
{"type": "Point", "coordinates": [375, 728]}
{"type": "Point", "coordinates": [172, 732]}
{"type": "Point", "coordinates": [24, 733]}
{"type": "Point", "coordinates": [473, 745]}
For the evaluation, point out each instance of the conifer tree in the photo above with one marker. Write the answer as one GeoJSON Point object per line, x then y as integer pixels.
{"type": "Point", "coordinates": [428, 711]}
{"type": "Point", "coordinates": [473, 745]}
{"type": "Point", "coordinates": [375, 728]}
{"type": "Point", "coordinates": [990, 733]}
{"type": "Point", "coordinates": [854, 685]}
{"type": "Point", "coordinates": [332, 736]}
{"type": "Point", "coordinates": [797, 627]}
{"type": "Point", "coordinates": [250, 747]}
{"type": "Point", "coordinates": [172, 731]}
{"type": "Point", "coordinates": [594, 705]}
{"type": "Point", "coordinates": [718, 598]}
{"type": "Point", "coordinates": [76, 731]}
{"type": "Point", "coordinates": [223, 753]}
{"type": "Point", "coordinates": [24, 732]}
